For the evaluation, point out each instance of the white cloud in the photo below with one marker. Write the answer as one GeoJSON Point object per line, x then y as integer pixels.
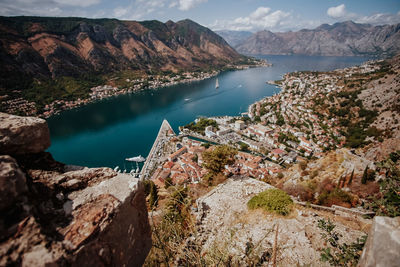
{"type": "Point", "coordinates": [80, 3]}
{"type": "Point", "coordinates": [262, 18]}
{"type": "Point", "coordinates": [120, 12]}
{"type": "Point", "coordinates": [138, 9]}
{"type": "Point", "coordinates": [189, 4]}
{"type": "Point", "coordinates": [260, 13]}
{"type": "Point", "coordinates": [340, 13]}
{"type": "Point", "coordinates": [173, 4]}
{"type": "Point", "coordinates": [46, 7]}
{"type": "Point", "coordinates": [380, 19]}
{"type": "Point", "coordinates": [337, 11]}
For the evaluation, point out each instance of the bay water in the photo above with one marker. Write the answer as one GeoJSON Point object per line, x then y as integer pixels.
{"type": "Point", "coordinates": [104, 133]}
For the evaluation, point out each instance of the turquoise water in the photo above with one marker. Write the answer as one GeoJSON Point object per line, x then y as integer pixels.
{"type": "Point", "coordinates": [104, 133]}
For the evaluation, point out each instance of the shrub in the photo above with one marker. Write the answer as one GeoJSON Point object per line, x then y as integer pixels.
{"type": "Point", "coordinates": [301, 191]}
{"type": "Point", "coordinates": [335, 197]}
{"type": "Point", "coordinates": [303, 165]}
{"type": "Point", "coordinates": [215, 160]}
{"type": "Point", "coordinates": [339, 253]}
{"type": "Point", "coordinates": [272, 200]}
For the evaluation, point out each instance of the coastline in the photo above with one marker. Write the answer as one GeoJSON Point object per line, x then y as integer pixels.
{"type": "Point", "coordinates": [107, 91]}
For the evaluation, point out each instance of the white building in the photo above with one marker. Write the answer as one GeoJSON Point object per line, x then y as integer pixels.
{"type": "Point", "coordinates": [239, 125]}
{"type": "Point", "coordinates": [209, 131]}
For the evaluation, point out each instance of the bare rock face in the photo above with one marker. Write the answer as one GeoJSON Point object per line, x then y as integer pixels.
{"type": "Point", "coordinates": [383, 243]}
{"type": "Point", "coordinates": [57, 215]}
{"type": "Point", "coordinates": [226, 225]}
{"type": "Point", "coordinates": [13, 191]}
{"type": "Point", "coordinates": [101, 225]}
{"type": "Point", "coordinates": [23, 135]}
{"type": "Point", "coordinates": [12, 182]}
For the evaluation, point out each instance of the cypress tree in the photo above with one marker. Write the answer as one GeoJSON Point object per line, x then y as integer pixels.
{"type": "Point", "coordinates": [339, 182]}
{"type": "Point", "coordinates": [351, 177]}
{"type": "Point", "coordinates": [153, 200]}
{"type": "Point", "coordinates": [365, 176]}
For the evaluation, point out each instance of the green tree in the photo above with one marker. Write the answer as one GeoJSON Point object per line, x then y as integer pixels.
{"type": "Point", "coordinates": [216, 159]}
{"type": "Point", "coordinates": [168, 182]}
{"type": "Point", "coordinates": [351, 177]}
{"type": "Point", "coordinates": [244, 147]}
{"type": "Point", "coordinates": [153, 200]}
{"type": "Point", "coordinates": [177, 205]}
{"type": "Point", "coordinates": [365, 176]}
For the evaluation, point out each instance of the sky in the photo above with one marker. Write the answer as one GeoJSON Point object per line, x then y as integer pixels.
{"type": "Point", "coordinates": [247, 15]}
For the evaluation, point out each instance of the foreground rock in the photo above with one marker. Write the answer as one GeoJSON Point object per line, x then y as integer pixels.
{"type": "Point", "coordinates": [383, 244]}
{"type": "Point", "coordinates": [226, 225]}
{"type": "Point", "coordinates": [23, 135]}
{"type": "Point", "coordinates": [58, 215]}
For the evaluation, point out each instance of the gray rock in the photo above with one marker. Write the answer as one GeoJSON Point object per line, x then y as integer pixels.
{"type": "Point", "coordinates": [23, 135]}
{"type": "Point", "coordinates": [12, 182]}
{"type": "Point", "coordinates": [383, 244]}
{"type": "Point", "coordinates": [107, 225]}
{"type": "Point", "coordinates": [340, 39]}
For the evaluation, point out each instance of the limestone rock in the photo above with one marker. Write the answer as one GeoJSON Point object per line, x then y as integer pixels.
{"type": "Point", "coordinates": [13, 198]}
{"type": "Point", "coordinates": [23, 135]}
{"type": "Point", "coordinates": [57, 215]}
{"type": "Point", "coordinates": [383, 244]}
{"type": "Point", "coordinates": [105, 224]}
{"type": "Point", "coordinates": [226, 225]}
{"type": "Point", "coordinates": [12, 182]}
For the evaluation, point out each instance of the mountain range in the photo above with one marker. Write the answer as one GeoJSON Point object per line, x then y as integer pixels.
{"type": "Point", "coordinates": [46, 47]}
{"type": "Point", "coordinates": [234, 38]}
{"type": "Point", "coordinates": [340, 39]}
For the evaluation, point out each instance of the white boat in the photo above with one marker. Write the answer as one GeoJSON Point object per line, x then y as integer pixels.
{"type": "Point", "coordinates": [216, 84]}
{"type": "Point", "coordinates": [136, 159]}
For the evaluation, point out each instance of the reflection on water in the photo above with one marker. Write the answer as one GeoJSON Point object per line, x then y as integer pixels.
{"type": "Point", "coordinates": [106, 132]}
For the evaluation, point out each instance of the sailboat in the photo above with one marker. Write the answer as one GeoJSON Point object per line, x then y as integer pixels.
{"type": "Point", "coordinates": [216, 84]}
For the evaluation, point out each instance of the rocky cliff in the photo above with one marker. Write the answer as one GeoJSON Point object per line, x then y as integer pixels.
{"type": "Point", "coordinates": [340, 39]}
{"type": "Point", "coordinates": [43, 47]}
{"type": "Point", "coordinates": [59, 215]}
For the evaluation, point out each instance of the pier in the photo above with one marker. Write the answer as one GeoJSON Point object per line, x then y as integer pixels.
{"type": "Point", "coordinates": [163, 136]}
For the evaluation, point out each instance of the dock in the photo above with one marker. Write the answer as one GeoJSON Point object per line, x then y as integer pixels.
{"type": "Point", "coordinates": [164, 135]}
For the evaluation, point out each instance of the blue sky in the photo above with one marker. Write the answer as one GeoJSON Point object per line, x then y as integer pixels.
{"type": "Point", "coordinates": [251, 15]}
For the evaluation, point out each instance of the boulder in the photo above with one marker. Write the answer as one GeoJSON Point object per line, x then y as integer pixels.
{"type": "Point", "coordinates": [57, 215]}
{"type": "Point", "coordinates": [383, 244]}
{"type": "Point", "coordinates": [105, 224]}
{"type": "Point", "coordinates": [13, 189]}
{"type": "Point", "coordinates": [12, 182]}
{"type": "Point", "coordinates": [23, 135]}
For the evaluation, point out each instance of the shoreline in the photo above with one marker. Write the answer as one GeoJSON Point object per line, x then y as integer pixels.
{"type": "Point", "coordinates": [103, 92]}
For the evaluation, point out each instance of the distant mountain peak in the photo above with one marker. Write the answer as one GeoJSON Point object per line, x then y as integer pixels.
{"type": "Point", "coordinates": [346, 38]}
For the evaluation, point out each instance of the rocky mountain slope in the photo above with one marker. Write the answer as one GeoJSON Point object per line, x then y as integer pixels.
{"type": "Point", "coordinates": [44, 47]}
{"type": "Point", "coordinates": [340, 39]}
{"type": "Point", "coordinates": [60, 215]}
{"type": "Point", "coordinates": [234, 38]}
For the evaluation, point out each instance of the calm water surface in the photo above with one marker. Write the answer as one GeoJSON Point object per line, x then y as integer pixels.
{"type": "Point", "coordinates": [106, 132]}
